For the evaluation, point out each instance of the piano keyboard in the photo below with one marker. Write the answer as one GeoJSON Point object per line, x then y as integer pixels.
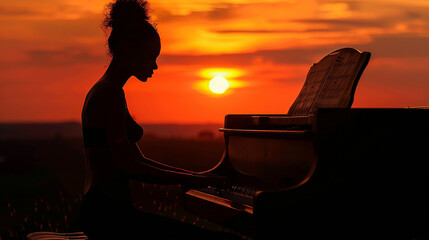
{"type": "Point", "coordinates": [236, 197]}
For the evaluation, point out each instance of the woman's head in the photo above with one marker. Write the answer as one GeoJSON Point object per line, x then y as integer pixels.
{"type": "Point", "coordinates": [133, 39]}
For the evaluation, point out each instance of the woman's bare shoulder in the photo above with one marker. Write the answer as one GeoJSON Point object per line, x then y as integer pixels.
{"type": "Point", "coordinates": [105, 95]}
{"type": "Point", "coordinates": [102, 101]}
{"type": "Point", "coordinates": [104, 89]}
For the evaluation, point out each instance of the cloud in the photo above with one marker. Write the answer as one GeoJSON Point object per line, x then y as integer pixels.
{"type": "Point", "coordinates": [88, 27]}
{"type": "Point", "coordinates": [224, 12]}
{"type": "Point", "coordinates": [390, 46]}
{"type": "Point", "coordinates": [179, 7]}
{"type": "Point", "coordinates": [239, 26]}
{"type": "Point", "coordinates": [280, 56]}
{"type": "Point", "coordinates": [51, 41]}
{"type": "Point", "coordinates": [17, 11]}
{"type": "Point", "coordinates": [265, 31]}
{"type": "Point", "coordinates": [345, 23]}
{"type": "Point", "coordinates": [399, 46]}
{"type": "Point", "coordinates": [63, 56]}
{"type": "Point", "coordinates": [50, 9]}
{"type": "Point", "coordinates": [53, 58]}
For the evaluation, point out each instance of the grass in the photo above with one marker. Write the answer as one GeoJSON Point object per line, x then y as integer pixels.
{"type": "Point", "coordinates": [41, 182]}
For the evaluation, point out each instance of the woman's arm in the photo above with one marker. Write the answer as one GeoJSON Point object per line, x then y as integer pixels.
{"type": "Point", "coordinates": [157, 164]}
{"type": "Point", "coordinates": [128, 158]}
{"type": "Point", "coordinates": [134, 133]}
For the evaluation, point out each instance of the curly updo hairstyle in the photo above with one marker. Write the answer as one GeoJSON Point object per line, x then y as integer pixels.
{"type": "Point", "coordinates": [129, 23]}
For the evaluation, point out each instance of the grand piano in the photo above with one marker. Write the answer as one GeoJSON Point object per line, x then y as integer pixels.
{"type": "Point", "coordinates": [324, 169]}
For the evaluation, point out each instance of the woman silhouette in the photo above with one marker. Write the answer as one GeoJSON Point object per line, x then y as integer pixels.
{"type": "Point", "coordinates": [110, 136]}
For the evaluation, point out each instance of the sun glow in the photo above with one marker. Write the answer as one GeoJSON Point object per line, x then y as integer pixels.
{"type": "Point", "coordinates": [218, 85]}
{"type": "Point", "coordinates": [217, 81]}
{"type": "Point", "coordinates": [222, 72]}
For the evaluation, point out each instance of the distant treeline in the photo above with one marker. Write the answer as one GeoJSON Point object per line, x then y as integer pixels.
{"type": "Point", "coordinates": [73, 130]}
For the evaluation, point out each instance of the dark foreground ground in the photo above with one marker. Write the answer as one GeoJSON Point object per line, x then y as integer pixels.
{"type": "Point", "coordinates": [41, 182]}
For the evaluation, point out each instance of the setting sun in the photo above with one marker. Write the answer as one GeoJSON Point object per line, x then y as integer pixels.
{"type": "Point", "coordinates": [216, 81]}
{"type": "Point", "coordinates": [218, 85]}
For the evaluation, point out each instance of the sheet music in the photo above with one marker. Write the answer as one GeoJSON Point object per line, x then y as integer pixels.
{"type": "Point", "coordinates": [330, 83]}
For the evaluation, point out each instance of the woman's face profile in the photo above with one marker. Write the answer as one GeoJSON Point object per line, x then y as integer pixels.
{"type": "Point", "coordinates": [144, 62]}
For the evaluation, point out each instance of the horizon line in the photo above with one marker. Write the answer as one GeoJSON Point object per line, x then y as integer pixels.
{"type": "Point", "coordinates": [78, 122]}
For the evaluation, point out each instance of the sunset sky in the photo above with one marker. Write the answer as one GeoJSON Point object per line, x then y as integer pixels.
{"type": "Point", "coordinates": [53, 51]}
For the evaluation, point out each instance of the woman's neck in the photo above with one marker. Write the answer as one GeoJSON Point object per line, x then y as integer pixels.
{"type": "Point", "coordinates": [117, 73]}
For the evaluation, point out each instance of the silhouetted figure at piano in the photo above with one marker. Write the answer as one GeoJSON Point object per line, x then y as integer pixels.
{"type": "Point", "coordinates": [110, 137]}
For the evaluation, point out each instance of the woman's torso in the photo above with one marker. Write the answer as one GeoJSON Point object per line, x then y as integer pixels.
{"type": "Point", "coordinates": [101, 168]}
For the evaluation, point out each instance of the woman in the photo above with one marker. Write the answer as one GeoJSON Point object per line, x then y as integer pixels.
{"type": "Point", "coordinates": [110, 137]}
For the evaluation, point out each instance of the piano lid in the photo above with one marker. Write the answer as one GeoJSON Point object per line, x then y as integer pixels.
{"type": "Point", "coordinates": [266, 122]}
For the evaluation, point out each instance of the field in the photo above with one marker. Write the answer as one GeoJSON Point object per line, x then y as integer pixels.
{"type": "Point", "coordinates": [41, 181]}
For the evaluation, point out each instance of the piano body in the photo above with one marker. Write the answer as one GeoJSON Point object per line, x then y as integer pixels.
{"type": "Point", "coordinates": [323, 169]}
